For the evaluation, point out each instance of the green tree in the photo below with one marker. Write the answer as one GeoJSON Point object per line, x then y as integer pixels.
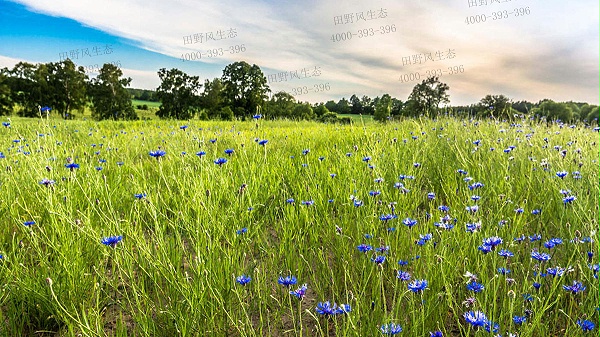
{"type": "Point", "coordinates": [383, 108]}
{"type": "Point", "coordinates": [553, 111]}
{"type": "Point", "coordinates": [110, 98]}
{"type": "Point", "coordinates": [226, 114]}
{"type": "Point", "coordinates": [367, 105]}
{"type": "Point", "coordinates": [427, 96]}
{"type": "Point", "coordinates": [357, 107]}
{"type": "Point", "coordinates": [68, 87]}
{"type": "Point", "coordinates": [178, 93]}
{"type": "Point", "coordinates": [281, 105]}
{"type": "Point", "coordinates": [321, 110]}
{"type": "Point", "coordinates": [25, 90]}
{"type": "Point", "coordinates": [303, 111]}
{"type": "Point", "coordinates": [212, 98]}
{"type": "Point", "coordinates": [497, 106]}
{"type": "Point", "coordinates": [6, 103]}
{"type": "Point", "coordinates": [331, 106]}
{"type": "Point", "coordinates": [343, 106]}
{"type": "Point", "coordinates": [397, 106]}
{"type": "Point", "coordinates": [245, 87]}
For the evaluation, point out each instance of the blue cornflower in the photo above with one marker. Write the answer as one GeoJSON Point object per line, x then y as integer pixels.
{"type": "Point", "coordinates": [112, 240]}
{"type": "Point", "coordinates": [461, 171]}
{"type": "Point", "coordinates": [430, 195]}
{"type": "Point", "coordinates": [157, 154]}
{"type": "Point", "coordinates": [476, 318]}
{"type": "Point", "coordinates": [47, 182]}
{"type": "Point", "coordinates": [307, 202]}
{"type": "Point", "coordinates": [388, 217]}
{"type": "Point", "coordinates": [472, 227]}
{"type": "Point", "coordinates": [491, 326]}
{"type": "Point", "coordinates": [6, 124]}
{"type": "Point", "coordinates": [536, 211]}
{"type": "Point", "coordinates": [200, 154]}
{"type": "Point", "coordinates": [72, 166]}
{"type": "Point", "coordinates": [229, 152]}
{"type": "Point", "coordinates": [300, 292]}
{"type": "Point", "coordinates": [519, 210]}
{"type": "Point", "coordinates": [476, 186]}
{"type": "Point", "coordinates": [586, 325]}
{"type": "Point", "coordinates": [553, 242]}
{"type": "Point", "coordinates": [503, 271]}
{"type": "Point", "coordinates": [475, 287]}
{"type": "Point", "coordinates": [140, 195]}
{"type": "Point", "coordinates": [213, 140]}
{"type": "Point", "coordinates": [290, 201]}
{"type": "Point", "coordinates": [436, 334]}
{"type": "Point", "coordinates": [417, 285]}
{"type": "Point", "coordinates": [2, 156]}
{"type": "Point", "coordinates": [183, 127]}
{"type": "Point", "coordinates": [575, 287]}
{"type": "Point", "coordinates": [241, 231]}
{"type": "Point", "coordinates": [287, 281]}
{"type": "Point", "coordinates": [562, 174]}
{"type": "Point", "coordinates": [243, 279]}
{"type": "Point", "coordinates": [492, 241]}
{"type": "Point", "coordinates": [374, 193]}
{"type": "Point", "coordinates": [383, 249]}
{"type": "Point", "coordinates": [540, 256]}
{"type": "Point", "coordinates": [29, 223]}
{"type": "Point", "coordinates": [485, 248]}
{"type": "Point", "coordinates": [443, 208]}
{"type": "Point", "coordinates": [220, 161]}
{"type": "Point", "coordinates": [328, 309]}
{"type": "Point", "coordinates": [569, 199]}
{"type": "Point", "coordinates": [263, 142]}
{"type": "Point", "coordinates": [506, 253]}
{"type": "Point", "coordinates": [305, 152]}
{"type": "Point", "coordinates": [403, 275]}
{"type": "Point", "coordinates": [403, 262]}
{"type": "Point", "coordinates": [409, 222]}
{"type": "Point", "coordinates": [366, 159]}
{"type": "Point", "coordinates": [98, 168]}
{"type": "Point", "coordinates": [472, 209]}
{"type": "Point", "coordinates": [258, 116]}
{"type": "Point", "coordinates": [535, 237]}
{"type": "Point", "coordinates": [378, 259]}
{"type": "Point", "coordinates": [378, 180]}
{"type": "Point", "coordinates": [357, 203]}
{"type": "Point", "coordinates": [364, 248]}
{"type": "Point", "coordinates": [390, 329]}
{"type": "Point", "coordinates": [417, 164]}
{"type": "Point", "coordinates": [556, 271]}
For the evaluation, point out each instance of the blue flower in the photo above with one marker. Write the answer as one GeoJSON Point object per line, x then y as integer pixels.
{"type": "Point", "coordinates": [287, 281]}
{"type": "Point", "coordinates": [535, 237]}
{"type": "Point", "coordinates": [328, 309]}
{"type": "Point", "coordinates": [379, 259]}
{"type": "Point", "coordinates": [300, 292]}
{"type": "Point", "coordinates": [562, 174]}
{"type": "Point", "coordinates": [390, 329]}
{"type": "Point", "coordinates": [258, 116]}
{"type": "Point", "coordinates": [506, 253]}
{"type": "Point", "coordinates": [569, 199]}
{"type": "Point", "coordinates": [586, 325]}
{"type": "Point", "coordinates": [417, 285]}
{"type": "Point", "coordinates": [241, 231]}
{"type": "Point", "coordinates": [305, 152]}
{"type": "Point", "coordinates": [388, 217]}
{"type": "Point", "coordinates": [491, 326]}
{"type": "Point", "coordinates": [366, 159]}
{"type": "Point", "coordinates": [476, 318]}
{"type": "Point", "coordinates": [472, 209]}
{"type": "Point", "coordinates": [47, 182]}
{"type": "Point", "coordinates": [409, 222]}
{"type": "Point", "coordinates": [403, 275]}
{"type": "Point", "coordinates": [540, 256]}
{"type": "Point", "coordinates": [492, 241]}
{"type": "Point", "coordinates": [443, 208]}
{"type": "Point", "coordinates": [575, 288]}
{"type": "Point", "coordinates": [112, 240]}
{"type": "Point", "coordinates": [472, 227]}
{"type": "Point", "coordinates": [6, 124]}
{"type": "Point", "coordinates": [200, 154]}
{"type": "Point", "coordinates": [475, 287]}
{"type": "Point", "coordinates": [290, 201]}
{"type": "Point", "coordinates": [503, 271]}
{"type": "Point", "coordinates": [29, 223]}
{"type": "Point", "coordinates": [263, 142]}
{"type": "Point", "coordinates": [157, 154]}
{"type": "Point", "coordinates": [556, 271]}
{"type": "Point", "coordinates": [140, 195]}
{"type": "Point", "coordinates": [307, 202]}
{"type": "Point", "coordinates": [476, 186]}
{"type": "Point", "coordinates": [72, 166]}
{"type": "Point", "coordinates": [229, 152]}
{"type": "Point", "coordinates": [374, 193]}
{"type": "Point", "coordinates": [243, 279]}
{"type": "Point", "coordinates": [430, 195]}
{"type": "Point", "coordinates": [436, 334]}
{"type": "Point", "coordinates": [220, 161]}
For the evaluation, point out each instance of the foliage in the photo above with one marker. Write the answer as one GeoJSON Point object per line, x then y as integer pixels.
{"type": "Point", "coordinates": [6, 103]}
{"type": "Point", "coordinates": [110, 98]}
{"type": "Point", "coordinates": [67, 86]}
{"type": "Point", "coordinates": [383, 109]}
{"type": "Point", "coordinates": [281, 105]}
{"type": "Point", "coordinates": [303, 111]}
{"type": "Point", "coordinates": [178, 93]}
{"type": "Point", "coordinates": [427, 96]}
{"type": "Point", "coordinates": [496, 106]}
{"type": "Point", "coordinates": [212, 98]}
{"type": "Point", "coordinates": [246, 88]}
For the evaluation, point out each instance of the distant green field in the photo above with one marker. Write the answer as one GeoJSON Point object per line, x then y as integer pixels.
{"type": "Point", "coordinates": [136, 102]}
{"type": "Point", "coordinates": [357, 118]}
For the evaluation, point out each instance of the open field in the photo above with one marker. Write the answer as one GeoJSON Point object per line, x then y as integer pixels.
{"type": "Point", "coordinates": [126, 243]}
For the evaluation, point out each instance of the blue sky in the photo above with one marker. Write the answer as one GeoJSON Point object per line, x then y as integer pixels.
{"type": "Point", "coordinates": [321, 50]}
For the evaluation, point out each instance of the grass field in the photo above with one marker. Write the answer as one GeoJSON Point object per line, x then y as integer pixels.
{"type": "Point", "coordinates": [428, 225]}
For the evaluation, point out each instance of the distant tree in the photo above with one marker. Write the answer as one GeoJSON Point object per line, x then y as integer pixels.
{"type": "Point", "coordinates": [68, 86]}
{"type": "Point", "coordinates": [25, 90]}
{"type": "Point", "coordinates": [110, 98]}
{"type": "Point", "coordinates": [396, 107]}
{"type": "Point", "coordinates": [303, 111]}
{"type": "Point", "coordinates": [427, 96]}
{"type": "Point", "coordinates": [383, 108]}
{"type": "Point", "coordinates": [321, 110]}
{"type": "Point", "coordinates": [331, 106]}
{"type": "Point", "coordinates": [6, 103]}
{"type": "Point", "coordinates": [553, 111]}
{"type": "Point", "coordinates": [212, 98]}
{"type": "Point", "coordinates": [367, 105]}
{"type": "Point", "coordinates": [356, 107]}
{"type": "Point", "coordinates": [245, 87]}
{"type": "Point", "coordinates": [226, 114]}
{"type": "Point", "coordinates": [343, 106]}
{"type": "Point", "coordinates": [523, 107]}
{"type": "Point", "coordinates": [497, 106]}
{"type": "Point", "coordinates": [178, 93]}
{"type": "Point", "coordinates": [281, 105]}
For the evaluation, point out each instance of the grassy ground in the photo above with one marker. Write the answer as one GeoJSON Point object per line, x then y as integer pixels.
{"type": "Point", "coordinates": [188, 228]}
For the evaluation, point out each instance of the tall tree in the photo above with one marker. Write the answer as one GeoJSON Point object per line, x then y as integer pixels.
{"type": "Point", "coordinates": [553, 111]}
{"type": "Point", "coordinates": [397, 106]}
{"type": "Point", "coordinates": [367, 105]}
{"type": "Point", "coordinates": [109, 96]}
{"type": "Point", "coordinates": [357, 107]}
{"type": "Point", "coordinates": [25, 89]}
{"type": "Point", "coordinates": [178, 93]}
{"type": "Point", "coordinates": [428, 95]}
{"type": "Point", "coordinates": [245, 87]}
{"type": "Point", "coordinates": [383, 108]}
{"type": "Point", "coordinates": [6, 103]}
{"type": "Point", "coordinates": [281, 105]}
{"type": "Point", "coordinates": [497, 106]}
{"type": "Point", "coordinates": [68, 87]}
{"type": "Point", "coordinates": [212, 99]}
{"type": "Point", "coordinates": [331, 106]}
{"type": "Point", "coordinates": [303, 111]}
{"type": "Point", "coordinates": [343, 106]}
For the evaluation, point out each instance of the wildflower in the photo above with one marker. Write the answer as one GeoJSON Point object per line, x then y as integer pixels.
{"type": "Point", "coordinates": [257, 117]}
{"type": "Point", "coordinates": [300, 292]}
{"type": "Point", "coordinates": [430, 195]}
{"type": "Point", "coordinates": [475, 287]}
{"type": "Point", "coordinates": [403, 275]}
{"type": "Point", "coordinates": [379, 259]}
{"type": "Point", "coordinates": [556, 271]}
{"type": "Point", "coordinates": [575, 288]}
{"type": "Point", "coordinates": [112, 240]}
{"type": "Point", "coordinates": [307, 202]}
{"type": "Point", "coordinates": [364, 248]}
{"type": "Point", "coordinates": [472, 209]}
{"type": "Point", "coordinates": [328, 309]}
{"type": "Point", "coordinates": [290, 201]}
{"type": "Point", "coordinates": [476, 318]}
{"type": "Point", "coordinates": [492, 241]}
{"type": "Point", "coordinates": [220, 161]}
{"type": "Point", "coordinates": [491, 326]}
{"type": "Point", "coordinates": [357, 203]}
{"type": "Point", "coordinates": [140, 195]}
{"type": "Point", "coordinates": [535, 237]}
{"type": "Point", "coordinates": [382, 249]}
{"type": "Point", "coordinates": [263, 142]}
{"type": "Point", "coordinates": [475, 198]}
{"type": "Point", "coordinates": [200, 154]}
{"type": "Point", "coordinates": [305, 152]}
{"type": "Point", "coordinates": [562, 174]}
{"type": "Point", "coordinates": [72, 166]}
{"type": "Point", "coordinates": [47, 182]}
{"type": "Point", "coordinates": [378, 180]}
{"type": "Point", "coordinates": [157, 154]}
{"type": "Point", "coordinates": [403, 262]}
{"type": "Point", "coordinates": [586, 325]}
{"type": "Point", "coordinates": [417, 286]}
{"type": "Point", "coordinates": [388, 217]}
{"type": "Point", "coordinates": [436, 334]}
{"type": "Point", "coordinates": [443, 208]}
{"type": "Point", "coordinates": [476, 186]}
{"type": "Point", "coordinates": [503, 271]}
{"type": "Point", "coordinates": [390, 329]}
{"type": "Point", "coordinates": [417, 164]}
{"type": "Point", "coordinates": [469, 302]}
{"type": "Point", "coordinates": [506, 253]}
{"type": "Point", "coordinates": [6, 124]}
{"type": "Point", "coordinates": [366, 159]}
{"type": "Point", "coordinates": [569, 199]}
{"type": "Point", "coordinates": [243, 279]}
{"type": "Point", "coordinates": [374, 193]}
{"type": "Point", "coordinates": [519, 210]}
{"type": "Point", "coordinates": [229, 152]}
{"type": "Point", "coordinates": [183, 127]}
{"type": "Point", "coordinates": [536, 211]}
{"type": "Point", "coordinates": [29, 223]}
{"type": "Point", "coordinates": [409, 222]}
{"type": "Point", "coordinates": [241, 231]}
{"type": "Point", "coordinates": [287, 281]}
{"type": "Point", "coordinates": [553, 242]}
{"type": "Point", "coordinates": [472, 227]}
{"type": "Point", "coordinates": [540, 256]}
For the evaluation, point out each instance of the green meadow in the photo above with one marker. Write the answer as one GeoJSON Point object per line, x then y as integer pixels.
{"type": "Point", "coordinates": [130, 244]}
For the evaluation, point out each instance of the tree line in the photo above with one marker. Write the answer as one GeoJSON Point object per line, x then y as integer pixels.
{"type": "Point", "coordinates": [240, 93]}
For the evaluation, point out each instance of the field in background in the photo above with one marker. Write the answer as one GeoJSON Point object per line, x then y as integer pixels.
{"type": "Point", "coordinates": [357, 213]}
